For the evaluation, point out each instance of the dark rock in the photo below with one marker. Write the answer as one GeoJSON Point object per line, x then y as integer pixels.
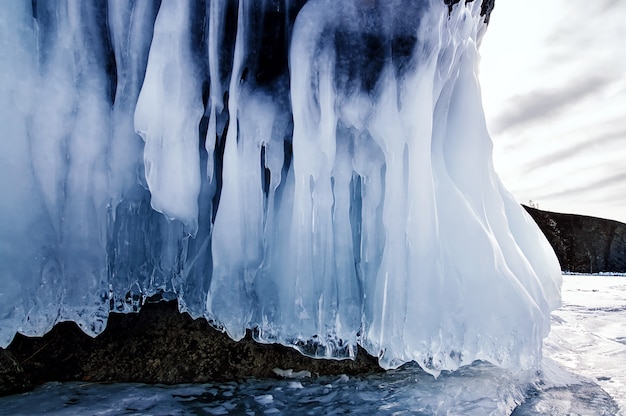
{"type": "Point", "coordinates": [584, 244]}
{"type": "Point", "coordinates": [485, 9]}
{"type": "Point", "coordinates": [161, 345]}
{"type": "Point", "coordinates": [12, 377]}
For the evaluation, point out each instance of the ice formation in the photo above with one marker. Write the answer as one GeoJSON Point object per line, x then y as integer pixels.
{"type": "Point", "coordinates": [316, 171]}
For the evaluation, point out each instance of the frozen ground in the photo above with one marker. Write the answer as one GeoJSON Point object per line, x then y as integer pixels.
{"type": "Point", "coordinates": [588, 334]}
{"type": "Point", "coordinates": [583, 374]}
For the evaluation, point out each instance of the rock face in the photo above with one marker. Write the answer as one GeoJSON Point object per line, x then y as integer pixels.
{"type": "Point", "coordinates": [13, 379]}
{"type": "Point", "coordinates": [156, 345]}
{"type": "Point", "coordinates": [584, 244]}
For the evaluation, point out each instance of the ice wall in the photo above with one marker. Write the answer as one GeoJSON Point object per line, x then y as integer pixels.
{"type": "Point", "coordinates": [318, 172]}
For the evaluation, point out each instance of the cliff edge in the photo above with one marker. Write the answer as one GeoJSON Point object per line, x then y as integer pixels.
{"type": "Point", "coordinates": [584, 244]}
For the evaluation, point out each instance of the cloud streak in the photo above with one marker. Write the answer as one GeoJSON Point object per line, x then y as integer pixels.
{"type": "Point", "coordinates": [540, 105]}
{"type": "Point", "coordinates": [595, 185]}
{"type": "Point", "coordinates": [571, 151]}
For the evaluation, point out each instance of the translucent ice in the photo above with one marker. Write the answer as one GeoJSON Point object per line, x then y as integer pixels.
{"type": "Point", "coordinates": [316, 171]}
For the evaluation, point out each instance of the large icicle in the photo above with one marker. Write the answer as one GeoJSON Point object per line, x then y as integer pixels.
{"type": "Point", "coordinates": [318, 172]}
{"type": "Point", "coordinates": [21, 238]}
{"type": "Point", "coordinates": [168, 113]}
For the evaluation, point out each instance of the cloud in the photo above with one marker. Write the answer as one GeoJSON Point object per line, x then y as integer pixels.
{"type": "Point", "coordinates": [540, 105]}
{"type": "Point", "coordinates": [597, 184]}
{"type": "Point", "coordinates": [575, 150]}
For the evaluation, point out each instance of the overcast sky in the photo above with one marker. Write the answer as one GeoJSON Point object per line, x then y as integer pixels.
{"type": "Point", "coordinates": [553, 75]}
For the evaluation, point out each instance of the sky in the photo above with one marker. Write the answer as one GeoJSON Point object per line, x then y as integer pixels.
{"type": "Point", "coordinates": [553, 77]}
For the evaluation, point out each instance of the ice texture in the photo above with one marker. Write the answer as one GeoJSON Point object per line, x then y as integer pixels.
{"type": "Point", "coordinates": [318, 172]}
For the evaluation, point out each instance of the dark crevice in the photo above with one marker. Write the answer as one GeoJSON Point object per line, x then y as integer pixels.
{"type": "Point", "coordinates": [266, 174]}
{"type": "Point", "coordinates": [485, 9]}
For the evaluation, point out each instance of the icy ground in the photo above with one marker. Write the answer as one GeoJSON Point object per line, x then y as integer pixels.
{"type": "Point", "coordinates": [583, 374]}
{"type": "Point", "coordinates": [588, 335]}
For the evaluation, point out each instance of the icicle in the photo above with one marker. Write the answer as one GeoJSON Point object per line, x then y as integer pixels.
{"type": "Point", "coordinates": [168, 113]}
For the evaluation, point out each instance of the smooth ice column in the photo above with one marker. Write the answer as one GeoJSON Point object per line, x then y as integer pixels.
{"type": "Point", "coordinates": [68, 155]}
{"type": "Point", "coordinates": [322, 277]}
{"type": "Point", "coordinates": [168, 112]}
{"type": "Point", "coordinates": [486, 254]}
{"type": "Point", "coordinates": [409, 273]}
{"type": "Point", "coordinates": [216, 10]}
{"type": "Point", "coordinates": [131, 24]}
{"type": "Point", "coordinates": [237, 231]}
{"type": "Point", "coordinates": [314, 148]}
{"type": "Point", "coordinates": [19, 199]}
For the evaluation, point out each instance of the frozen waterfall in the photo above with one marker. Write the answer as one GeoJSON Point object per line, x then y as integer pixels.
{"type": "Point", "coordinates": [318, 172]}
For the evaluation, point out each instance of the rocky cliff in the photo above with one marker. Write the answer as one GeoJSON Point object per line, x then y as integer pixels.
{"type": "Point", "coordinates": [584, 244]}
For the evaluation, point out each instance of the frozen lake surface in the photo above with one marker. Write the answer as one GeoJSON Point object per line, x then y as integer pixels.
{"type": "Point", "coordinates": [584, 373]}
{"type": "Point", "coordinates": [588, 335]}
